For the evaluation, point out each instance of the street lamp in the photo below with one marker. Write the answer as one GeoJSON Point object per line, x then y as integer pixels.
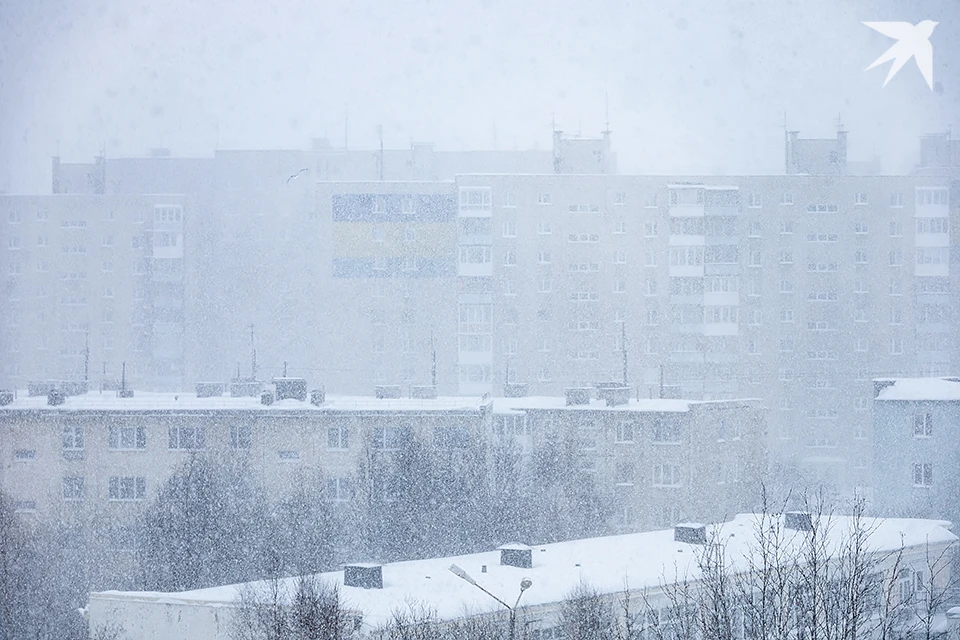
{"type": "Point", "coordinates": [525, 584]}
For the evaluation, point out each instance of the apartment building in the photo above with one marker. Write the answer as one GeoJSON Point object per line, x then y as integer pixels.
{"type": "Point", "coordinates": [91, 282]}
{"type": "Point", "coordinates": [916, 422]}
{"type": "Point", "coordinates": [658, 461]}
{"type": "Point", "coordinates": [636, 575]}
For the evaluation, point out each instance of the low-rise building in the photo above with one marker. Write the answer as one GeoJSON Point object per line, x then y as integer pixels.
{"type": "Point", "coordinates": [916, 436]}
{"type": "Point", "coordinates": [637, 573]}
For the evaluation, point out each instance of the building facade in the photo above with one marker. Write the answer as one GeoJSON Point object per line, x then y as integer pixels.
{"type": "Point", "coordinates": [916, 424]}
{"type": "Point", "coordinates": [92, 282]}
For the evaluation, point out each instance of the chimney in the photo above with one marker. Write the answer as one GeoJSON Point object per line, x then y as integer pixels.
{"type": "Point", "coordinates": [515, 390]}
{"type": "Point", "coordinates": [244, 388]}
{"type": "Point", "coordinates": [615, 393]}
{"type": "Point", "coordinates": [209, 389]}
{"type": "Point", "coordinates": [798, 520]}
{"type": "Point", "coordinates": [291, 388]}
{"type": "Point", "coordinates": [387, 391]}
{"type": "Point", "coordinates": [577, 395]}
{"type": "Point", "coordinates": [690, 533]}
{"type": "Point", "coordinates": [423, 392]}
{"type": "Point", "coordinates": [363, 575]}
{"type": "Point", "coordinates": [266, 398]}
{"type": "Point", "coordinates": [55, 397]}
{"type": "Point", "coordinates": [516, 555]}
{"type": "Point", "coordinates": [6, 397]}
{"type": "Point", "coordinates": [318, 397]}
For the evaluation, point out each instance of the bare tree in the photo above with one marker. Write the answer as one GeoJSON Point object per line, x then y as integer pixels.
{"type": "Point", "coordinates": [587, 614]}
{"type": "Point", "coordinates": [304, 608]}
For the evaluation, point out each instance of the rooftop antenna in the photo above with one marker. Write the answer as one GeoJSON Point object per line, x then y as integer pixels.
{"type": "Point", "coordinates": [123, 377]}
{"type": "Point", "coordinates": [380, 160]}
{"type": "Point", "coordinates": [606, 113]}
{"type": "Point", "coordinates": [284, 368]}
{"type": "Point", "coordinates": [433, 356]}
{"type": "Point", "coordinates": [253, 351]}
{"type": "Point", "coordinates": [839, 123]}
{"type": "Point", "coordinates": [623, 345]}
{"type": "Point", "coordinates": [86, 356]}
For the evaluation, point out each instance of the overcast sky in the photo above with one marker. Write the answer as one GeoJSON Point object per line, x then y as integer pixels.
{"type": "Point", "coordinates": [693, 86]}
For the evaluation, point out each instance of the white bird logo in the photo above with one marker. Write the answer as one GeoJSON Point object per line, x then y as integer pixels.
{"type": "Point", "coordinates": [912, 42]}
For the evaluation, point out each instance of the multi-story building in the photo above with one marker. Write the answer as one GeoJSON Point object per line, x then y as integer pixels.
{"type": "Point", "coordinates": [92, 282]}
{"type": "Point", "coordinates": [477, 269]}
{"type": "Point", "coordinates": [659, 461]}
{"type": "Point", "coordinates": [916, 449]}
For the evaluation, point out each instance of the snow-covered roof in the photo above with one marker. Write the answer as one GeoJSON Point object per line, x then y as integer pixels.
{"type": "Point", "coordinates": [515, 405]}
{"type": "Point", "coordinates": [188, 401]}
{"type": "Point", "coordinates": [643, 560]}
{"type": "Point", "coordinates": [920, 389]}
{"type": "Point", "coordinates": [512, 405]}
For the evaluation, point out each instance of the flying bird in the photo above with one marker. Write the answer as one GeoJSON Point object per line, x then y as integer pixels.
{"type": "Point", "coordinates": [913, 41]}
{"type": "Point", "coordinates": [296, 175]}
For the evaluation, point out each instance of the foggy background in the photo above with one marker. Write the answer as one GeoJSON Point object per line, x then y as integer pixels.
{"type": "Point", "coordinates": [694, 87]}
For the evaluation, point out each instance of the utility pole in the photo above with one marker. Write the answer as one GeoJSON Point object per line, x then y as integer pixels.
{"type": "Point", "coordinates": [86, 357]}
{"type": "Point", "coordinates": [253, 351]}
{"type": "Point", "coordinates": [380, 163]}
{"type": "Point", "coordinates": [623, 345]}
{"type": "Point", "coordinates": [433, 357]}
{"type": "Point", "coordinates": [284, 368]}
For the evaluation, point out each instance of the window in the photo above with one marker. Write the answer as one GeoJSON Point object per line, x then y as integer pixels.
{"type": "Point", "coordinates": [24, 455]}
{"type": "Point", "coordinates": [543, 228]}
{"type": "Point", "coordinates": [786, 346]}
{"type": "Point", "coordinates": [896, 315]}
{"type": "Point", "coordinates": [651, 287]}
{"type": "Point", "coordinates": [786, 257]}
{"type": "Point", "coordinates": [583, 237]}
{"type": "Point", "coordinates": [14, 217]}
{"type": "Point", "coordinates": [25, 506]}
{"type": "Point", "coordinates": [186, 438]}
{"type": "Point", "coordinates": [896, 258]}
{"type": "Point", "coordinates": [786, 227]}
{"type": "Point", "coordinates": [474, 254]}
{"type": "Point", "coordinates": [895, 287]}
{"type": "Point", "coordinates": [786, 199]}
{"type": "Point", "coordinates": [72, 437]}
{"type": "Point", "coordinates": [543, 257]}
{"type": "Point", "coordinates": [619, 286]}
{"type": "Point", "coordinates": [822, 208]}
{"type": "Point", "coordinates": [126, 438]}
{"type": "Point", "coordinates": [861, 345]}
{"type": "Point", "coordinates": [509, 287]}
{"type": "Point", "coordinates": [620, 257]}
{"type": "Point", "coordinates": [860, 257]}
{"type": "Point", "coordinates": [923, 425]}
{"type": "Point", "coordinates": [410, 263]}
{"type": "Point", "coordinates": [72, 488]}
{"type": "Point", "coordinates": [666, 475]}
{"type": "Point", "coordinates": [651, 200]}
{"type": "Point", "coordinates": [932, 196]}
{"type": "Point", "coordinates": [923, 475]}
{"type": "Point", "coordinates": [452, 436]}
{"type": "Point", "coordinates": [786, 286]}
{"type": "Point", "coordinates": [756, 317]}
{"type": "Point", "coordinates": [620, 197]}
{"type": "Point", "coordinates": [896, 199]}
{"type": "Point", "coordinates": [475, 199]}
{"type": "Point", "coordinates": [620, 228]}
{"type": "Point", "coordinates": [650, 229]}
{"type": "Point", "coordinates": [896, 346]}
{"type": "Point", "coordinates": [755, 230]}
{"type": "Point", "coordinates": [339, 489]}
{"type": "Point", "coordinates": [127, 488]}
{"type": "Point", "coordinates": [543, 198]}
{"type": "Point", "coordinates": [241, 436]}
{"type": "Point", "coordinates": [756, 259]}
{"type": "Point", "coordinates": [754, 200]}
{"type": "Point", "coordinates": [543, 285]}
{"type": "Point", "coordinates": [666, 432]}
{"type": "Point", "coordinates": [933, 255]}
{"type": "Point", "coordinates": [625, 431]}
{"type": "Point", "coordinates": [652, 317]}
{"type": "Point", "coordinates": [389, 438]}
{"type": "Point", "coordinates": [409, 233]}
{"type": "Point", "coordinates": [408, 206]}
{"type": "Point", "coordinates": [289, 454]}
{"type": "Point", "coordinates": [543, 374]}
{"type": "Point", "coordinates": [509, 229]}
{"type": "Point", "coordinates": [933, 225]}
{"type": "Point", "coordinates": [860, 228]}
{"type": "Point", "coordinates": [860, 199]}
{"type": "Point", "coordinates": [649, 258]}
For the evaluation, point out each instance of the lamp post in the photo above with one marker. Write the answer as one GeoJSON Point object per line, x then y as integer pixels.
{"type": "Point", "coordinates": [525, 584]}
